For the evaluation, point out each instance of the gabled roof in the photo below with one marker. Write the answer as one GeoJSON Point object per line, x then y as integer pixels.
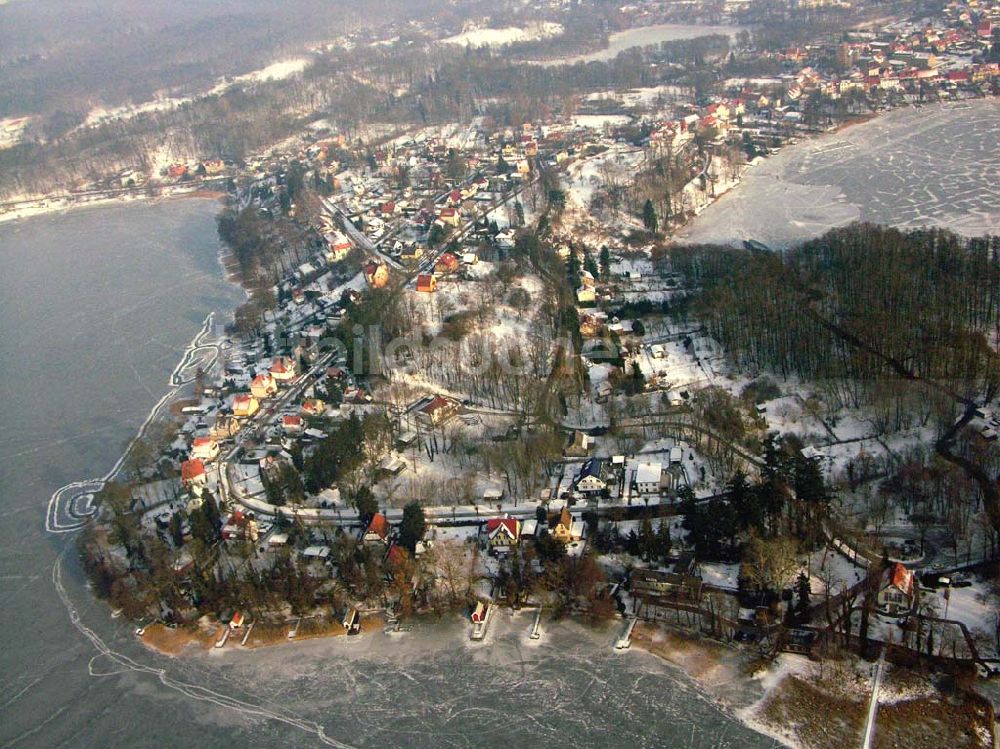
{"type": "Point", "coordinates": [902, 578]}
{"type": "Point", "coordinates": [592, 467]}
{"type": "Point", "coordinates": [436, 404]}
{"type": "Point", "coordinates": [379, 526]}
{"type": "Point", "coordinates": [502, 526]}
{"type": "Point", "coordinates": [283, 364]}
{"type": "Point", "coordinates": [192, 469]}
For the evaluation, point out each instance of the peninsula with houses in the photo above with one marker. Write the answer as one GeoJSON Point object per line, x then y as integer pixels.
{"type": "Point", "coordinates": [475, 373]}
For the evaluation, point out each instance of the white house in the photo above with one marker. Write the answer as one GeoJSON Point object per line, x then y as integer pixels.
{"type": "Point", "coordinates": [898, 591]}
{"type": "Point", "coordinates": [648, 478]}
{"type": "Point", "coordinates": [205, 448]}
{"type": "Point", "coordinates": [591, 477]}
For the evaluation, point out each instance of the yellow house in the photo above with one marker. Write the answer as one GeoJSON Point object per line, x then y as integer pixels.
{"type": "Point", "coordinates": [245, 406]}
{"type": "Point", "coordinates": [563, 530]}
{"type": "Point", "coordinates": [263, 386]}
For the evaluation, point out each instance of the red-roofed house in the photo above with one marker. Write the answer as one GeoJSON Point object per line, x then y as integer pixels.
{"type": "Point", "coordinates": [205, 448]}
{"type": "Point", "coordinates": [338, 247]}
{"type": "Point", "coordinates": [447, 263]}
{"type": "Point", "coordinates": [455, 197]}
{"type": "Point", "coordinates": [449, 216]}
{"type": "Point", "coordinates": [377, 531]}
{"type": "Point", "coordinates": [438, 411]}
{"type": "Point", "coordinates": [291, 423]}
{"type": "Point", "coordinates": [284, 369]}
{"type": "Point", "coordinates": [503, 533]}
{"type": "Point", "coordinates": [263, 386]}
{"type": "Point", "coordinates": [426, 283]}
{"type": "Point", "coordinates": [193, 472]}
{"type": "Point", "coordinates": [898, 592]}
{"type": "Point", "coordinates": [313, 407]}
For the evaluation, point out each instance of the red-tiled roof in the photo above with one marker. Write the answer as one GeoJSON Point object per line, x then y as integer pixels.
{"type": "Point", "coordinates": [192, 469]}
{"type": "Point", "coordinates": [494, 524]}
{"type": "Point", "coordinates": [901, 578]}
{"type": "Point", "coordinates": [379, 526]}
{"type": "Point", "coordinates": [439, 402]}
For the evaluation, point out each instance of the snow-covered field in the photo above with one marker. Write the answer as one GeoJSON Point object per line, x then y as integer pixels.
{"type": "Point", "coordinates": [912, 167]}
{"type": "Point", "coordinates": [600, 121]}
{"type": "Point", "coordinates": [641, 97]}
{"type": "Point", "coordinates": [505, 36]}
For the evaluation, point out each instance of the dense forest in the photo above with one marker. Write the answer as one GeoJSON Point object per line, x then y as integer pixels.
{"type": "Point", "coordinates": [861, 309]}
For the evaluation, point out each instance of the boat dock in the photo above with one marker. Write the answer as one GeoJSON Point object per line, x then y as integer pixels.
{"type": "Point", "coordinates": [536, 628]}
{"type": "Point", "coordinates": [481, 621]}
{"type": "Point", "coordinates": [625, 641]}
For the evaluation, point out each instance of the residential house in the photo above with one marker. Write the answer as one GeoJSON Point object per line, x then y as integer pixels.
{"type": "Point", "coordinates": [291, 424]}
{"type": "Point", "coordinates": [653, 587]}
{"type": "Point", "coordinates": [193, 474]}
{"type": "Point", "coordinates": [245, 406]}
{"type": "Point", "coordinates": [503, 533]}
{"type": "Point", "coordinates": [447, 263]}
{"type": "Point", "coordinates": [439, 410]}
{"type": "Point", "coordinates": [426, 283]}
{"type": "Point", "coordinates": [377, 531]}
{"type": "Point", "coordinates": [313, 407]}
{"type": "Point", "coordinates": [376, 274]}
{"type": "Point", "coordinates": [205, 448]}
{"type": "Point", "coordinates": [411, 253]}
{"type": "Point", "coordinates": [648, 478]}
{"type": "Point", "coordinates": [590, 480]}
{"type": "Point", "coordinates": [580, 444]}
{"type": "Point", "coordinates": [338, 247]}
{"type": "Point", "coordinates": [263, 386]}
{"type": "Point", "coordinates": [505, 240]}
{"type": "Point", "coordinates": [449, 216]}
{"type": "Point", "coordinates": [566, 530]}
{"type": "Point", "coordinates": [284, 369]}
{"type": "Point", "coordinates": [225, 426]}
{"type": "Point", "coordinates": [898, 592]}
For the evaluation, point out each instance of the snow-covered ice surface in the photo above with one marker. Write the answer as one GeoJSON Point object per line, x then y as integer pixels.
{"type": "Point", "coordinates": [505, 36]}
{"type": "Point", "coordinates": [433, 687]}
{"type": "Point", "coordinates": [642, 36]}
{"type": "Point", "coordinates": [935, 165]}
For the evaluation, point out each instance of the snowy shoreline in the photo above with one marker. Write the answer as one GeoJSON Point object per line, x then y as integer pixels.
{"type": "Point", "coordinates": [58, 204]}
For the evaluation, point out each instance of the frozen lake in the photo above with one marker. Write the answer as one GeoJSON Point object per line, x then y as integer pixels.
{"type": "Point", "coordinates": [643, 36]}
{"type": "Point", "coordinates": [936, 165]}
